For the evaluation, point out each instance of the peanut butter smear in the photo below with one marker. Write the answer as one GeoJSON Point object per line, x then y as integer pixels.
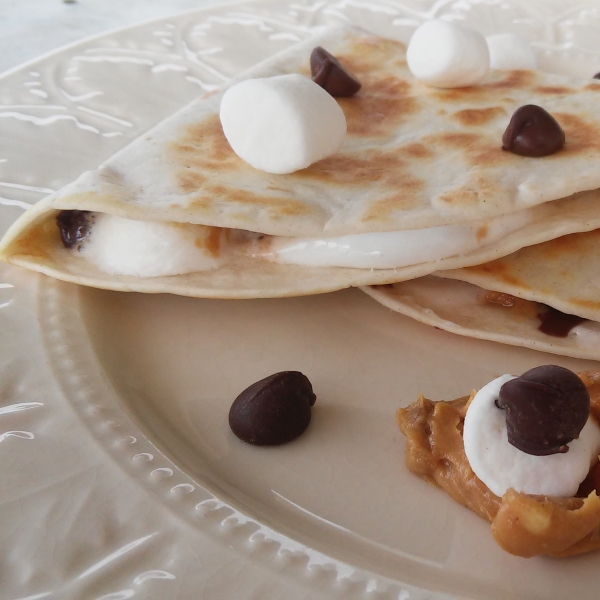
{"type": "Point", "coordinates": [522, 524]}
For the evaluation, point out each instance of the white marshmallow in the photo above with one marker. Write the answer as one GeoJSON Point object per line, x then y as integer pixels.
{"type": "Point", "coordinates": [509, 51]}
{"type": "Point", "coordinates": [502, 466]}
{"type": "Point", "coordinates": [391, 249]}
{"type": "Point", "coordinates": [447, 55]}
{"type": "Point", "coordinates": [282, 124]}
{"type": "Point", "coordinates": [150, 249]}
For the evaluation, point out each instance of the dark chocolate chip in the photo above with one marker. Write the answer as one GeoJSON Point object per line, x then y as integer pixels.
{"type": "Point", "coordinates": [533, 132]}
{"type": "Point", "coordinates": [331, 75]}
{"type": "Point", "coordinates": [546, 408]}
{"type": "Point", "coordinates": [274, 410]}
{"type": "Point", "coordinates": [556, 323]}
{"type": "Point", "coordinates": [74, 225]}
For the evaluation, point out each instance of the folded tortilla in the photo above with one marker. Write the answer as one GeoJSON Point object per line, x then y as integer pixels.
{"type": "Point", "coordinates": [414, 157]}
{"type": "Point", "coordinates": [509, 300]}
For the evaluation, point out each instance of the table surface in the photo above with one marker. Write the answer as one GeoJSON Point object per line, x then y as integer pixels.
{"type": "Point", "coordinates": [30, 28]}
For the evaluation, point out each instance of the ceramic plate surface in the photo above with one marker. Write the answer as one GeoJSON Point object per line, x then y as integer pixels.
{"type": "Point", "coordinates": [120, 477]}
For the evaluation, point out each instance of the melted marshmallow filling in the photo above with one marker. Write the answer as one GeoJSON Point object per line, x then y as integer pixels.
{"type": "Point", "coordinates": [390, 250]}
{"type": "Point", "coordinates": [122, 246]}
{"type": "Point", "coordinates": [502, 466]}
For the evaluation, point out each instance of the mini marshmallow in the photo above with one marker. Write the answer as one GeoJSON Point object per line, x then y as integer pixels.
{"type": "Point", "coordinates": [502, 466]}
{"type": "Point", "coordinates": [150, 249]}
{"type": "Point", "coordinates": [447, 55]}
{"type": "Point", "coordinates": [282, 124]}
{"type": "Point", "coordinates": [509, 51]}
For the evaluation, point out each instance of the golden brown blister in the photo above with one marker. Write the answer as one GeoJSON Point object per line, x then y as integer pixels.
{"type": "Point", "coordinates": [522, 524]}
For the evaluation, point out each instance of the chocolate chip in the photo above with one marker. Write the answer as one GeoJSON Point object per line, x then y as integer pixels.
{"type": "Point", "coordinates": [546, 408]}
{"type": "Point", "coordinates": [556, 323]}
{"type": "Point", "coordinates": [533, 132]}
{"type": "Point", "coordinates": [274, 410]}
{"type": "Point", "coordinates": [596, 76]}
{"type": "Point", "coordinates": [74, 225]}
{"type": "Point", "coordinates": [331, 75]}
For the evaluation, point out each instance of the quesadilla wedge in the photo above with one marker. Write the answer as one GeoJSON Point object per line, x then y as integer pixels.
{"type": "Point", "coordinates": [545, 297]}
{"type": "Point", "coordinates": [416, 160]}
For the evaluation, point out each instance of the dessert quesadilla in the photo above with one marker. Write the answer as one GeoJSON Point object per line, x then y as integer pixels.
{"type": "Point", "coordinates": [545, 297]}
{"type": "Point", "coordinates": [421, 183]}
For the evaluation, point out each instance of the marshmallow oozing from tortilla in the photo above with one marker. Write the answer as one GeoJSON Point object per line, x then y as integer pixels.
{"type": "Point", "coordinates": [392, 249]}
{"type": "Point", "coordinates": [150, 249]}
{"type": "Point", "coordinates": [282, 124]}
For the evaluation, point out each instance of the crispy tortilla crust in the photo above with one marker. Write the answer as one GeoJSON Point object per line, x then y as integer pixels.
{"type": "Point", "coordinates": [522, 524]}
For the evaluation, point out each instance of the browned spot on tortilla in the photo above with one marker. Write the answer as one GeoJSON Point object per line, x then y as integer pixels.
{"type": "Point", "coordinates": [190, 180]}
{"type": "Point", "coordinates": [461, 197]}
{"type": "Point", "coordinates": [499, 270]}
{"type": "Point", "coordinates": [477, 189]}
{"type": "Point", "coordinates": [560, 247]}
{"type": "Point", "coordinates": [202, 146]}
{"type": "Point", "coordinates": [580, 135]}
{"type": "Point", "coordinates": [402, 201]}
{"type": "Point", "coordinates": [379, 107]}
{"type": "Point", "coordinates": [478, 116]}
{"type": "Point", "coordinates": [213, 242]}
{"type": "Point", "coordinates": [486, 92]}
{"type": "Point", "coordinates": [592, 87]}
{"type": "Point", "coordinates": [454, 140]}
{"type": "Point", "coordinates": [387, 169]}
{"type": "Point", "coordinates": [416, 150]}
{"type": "Point", "coordinates": [592, 304]}
{"type": "Point", "coordinates": [275, 206]}
{"type": "Point", "coordinates": [489, 155]}
{"type": "Point", "coordinates": [553, 90]}
{"type": "Point", "coordinates": [482, 232]}
{"type": "Point", "coordinates": [517, 79]}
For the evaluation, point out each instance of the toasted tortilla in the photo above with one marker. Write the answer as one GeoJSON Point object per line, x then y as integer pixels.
{"type": "Point", "coordinates": [414, 157]}
{"type": "Point", "coordinates": [563, 273]}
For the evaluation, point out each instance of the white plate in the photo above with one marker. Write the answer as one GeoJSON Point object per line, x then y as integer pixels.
{"type": "Point", "coordinates": [120, 477]}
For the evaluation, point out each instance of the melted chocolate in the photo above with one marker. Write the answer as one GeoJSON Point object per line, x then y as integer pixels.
{"type": "Point", "coordinates": [74, 225]}
{"type": "Point", "coordinates": [331, 75]}
{"type": "Point", "coordinates": [533, 132]}
{"type": "Point", "coordinates": [556, 323]}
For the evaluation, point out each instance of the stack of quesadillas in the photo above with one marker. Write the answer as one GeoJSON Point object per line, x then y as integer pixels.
{"type": "Point", "coordinates": [421, 184]}
{"type": "Point", "coordinates": [545, 297]}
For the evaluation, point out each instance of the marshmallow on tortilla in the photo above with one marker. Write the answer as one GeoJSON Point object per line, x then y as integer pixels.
{"type": "Point", "coordinates": [509, 51]}
{"type": "Point", "coordinates": [447, 55]}
{"type": "Point", "coordinates": [282, 124]}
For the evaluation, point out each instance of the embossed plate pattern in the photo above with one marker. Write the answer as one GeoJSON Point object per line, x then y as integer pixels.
{"type": "Point", "coordinates": [124, 480]}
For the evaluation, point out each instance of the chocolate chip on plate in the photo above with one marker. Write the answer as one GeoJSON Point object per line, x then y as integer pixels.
{"type": "Point", "coordinates": [331, 75]}
{"type": "Point", "coordinates": [546, 408]}
{"type": "Point", "coordinates": [274, 410]}
{"type": "Point", "coordinates": [74, 225]}
{"type": "Point", "coordinates": [532, 131]}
